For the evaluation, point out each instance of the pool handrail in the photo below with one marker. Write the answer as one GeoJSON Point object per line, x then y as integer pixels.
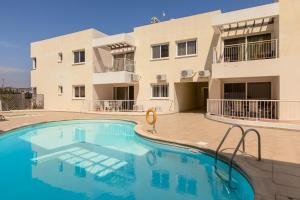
{"type": "Point", "coordinates": [224, 138]}
{"type": "Point", "coordinates": [242, 140]}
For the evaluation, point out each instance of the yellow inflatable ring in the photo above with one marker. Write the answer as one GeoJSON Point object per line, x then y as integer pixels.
{"type": "Point", "coordinates": [148, 117]}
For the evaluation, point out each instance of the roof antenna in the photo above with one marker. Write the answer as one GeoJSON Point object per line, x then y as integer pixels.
{"type": "Point", "coordinates": [154, 20]}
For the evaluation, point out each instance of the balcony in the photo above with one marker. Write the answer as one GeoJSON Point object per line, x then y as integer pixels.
{"type": "Point", "coordinates": [258, 50]}
{"type": "Point", "coordinates": [116, 106]}
{"type": "Point", "coordinates": [121, 64]}
{"type": "Point", "coordinates": [121, 71]}
{"type": "Point", "coordinates": [254, 109]}
{"type": "Point", "coordinates": [251, 59]}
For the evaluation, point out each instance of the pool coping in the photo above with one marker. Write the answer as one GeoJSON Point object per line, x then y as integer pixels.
{"type": "Point", "coordinates": [138, 129]}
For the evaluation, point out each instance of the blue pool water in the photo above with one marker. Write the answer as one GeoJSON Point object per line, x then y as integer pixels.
{"type": "Point", "coordinates": [106, 160]}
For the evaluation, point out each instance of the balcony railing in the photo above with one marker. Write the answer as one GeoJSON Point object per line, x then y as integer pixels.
{"type": "Point", "coordinates": [121, 64]}
{"type": "Point", "coordinates": [130, 105]}
{"type": "Point", "coordinates": [254, 109]}
{"type": "Point", "coordinates": [266, 49]}
{"type": "Point", "coordinates": [116, 106]}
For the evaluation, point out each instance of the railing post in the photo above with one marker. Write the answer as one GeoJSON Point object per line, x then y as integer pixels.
{"type": "Point", "coordinates": [214, 55]}
{"type": "Point", "coordinates": [124, 64]}
{"type": "Point", "coordinates": [276, 46]}
{"type": "Point", "coordinates": [246, 50]}
{"type": "Point", "coordinates": [222, 107]}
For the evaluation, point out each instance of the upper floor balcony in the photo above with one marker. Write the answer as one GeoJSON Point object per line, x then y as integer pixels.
{"type": "Point", "coordinates": [121, 71]}
{"type": "Point", "coordinates": [240, 51]}
{"type": "Point", "coordinates": [247, 44]}
{"type": "Point", "coordinates": [120, 64]}
{"type": "Point", "coordinates": [116, 65]}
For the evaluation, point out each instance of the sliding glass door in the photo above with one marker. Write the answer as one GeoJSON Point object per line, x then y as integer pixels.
{"type": "Point", "coordinates": [234, 90]}
{"type": "Point", "coordinates": [250, 90]}
{"type": "Point", "coordinates": [259, 90]}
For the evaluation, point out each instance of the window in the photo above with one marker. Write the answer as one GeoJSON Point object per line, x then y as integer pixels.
{"type": "Point", "coordinates": [259, 90]}
{"type": "Point", "coordinates": [60, 57]}
{"type": "Point", "coordinates": [256, 46]}
{"type": "Point", "coordinates": [79, 92]}
{"type": "Point", "coordinates": [160, 179]}
{"type": "Point", "coordinates": [160, 90]}
{"type": "Point", "coordinates": [251, 90]}
{"type": "Point", "coordinates": [234, 91]}
{"type": "Point", "coordinates": [60, 90]}
{"type": "Point", "coordinates": [187, 48]}
{"type": "Point", "coordinates": [79, 56]}
{"type": "Point", "coordinates": [33, 63]}
{"type": "Point", "coordinates": [160, 51]}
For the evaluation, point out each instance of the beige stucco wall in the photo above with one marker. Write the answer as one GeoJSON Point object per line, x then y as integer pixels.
{"type": "Point", "coordinates": [197, 27]}
{"type": "Point", "coordinates": [285, 69]}
{"type": "Point", "coordinates": [283, 72]}
{"type": "Point", "coordinates": [289, 49]}
{"type": "Point", "coordinates": [49, 73]}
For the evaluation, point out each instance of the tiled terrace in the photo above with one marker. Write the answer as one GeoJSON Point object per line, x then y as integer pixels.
{"type": "Point", "coordinates": [277, 176]}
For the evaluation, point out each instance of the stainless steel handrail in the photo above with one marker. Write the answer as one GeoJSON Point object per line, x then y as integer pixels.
{"type": "Point", "coordinates": [224, 138]}
{"type": "Point", "coordinates": [242, 140]}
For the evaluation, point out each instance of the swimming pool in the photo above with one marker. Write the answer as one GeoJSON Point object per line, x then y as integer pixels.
{"type": "Point", "coordinates": [93, 159]}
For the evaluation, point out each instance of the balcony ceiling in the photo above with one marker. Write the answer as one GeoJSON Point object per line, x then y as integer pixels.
{"type": "Point", "coordinates": [251, 17]}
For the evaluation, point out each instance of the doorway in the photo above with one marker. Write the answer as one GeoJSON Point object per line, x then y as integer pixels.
{"type": "Point", "coordinates": [123, 93]}
{"type": "Point", "coordinates": [124, 96]}
{"type": "Point", "coordinates": [191, 96]}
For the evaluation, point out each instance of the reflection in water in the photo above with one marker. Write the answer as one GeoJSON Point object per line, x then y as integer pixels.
{"type": "Point", "coordinates": [186, 185]}
{"type": "Point", "coordinates": [79, 135]}
{"type": "Point", "coordinates": [107, 161]}
{"type": "Point", "coordinates": [60, 166]}
{"type": "Point", "coordinates": [160, 179]}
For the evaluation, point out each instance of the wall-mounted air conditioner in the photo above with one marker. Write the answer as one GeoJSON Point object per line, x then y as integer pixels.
{"type": "Point", "coordinates": [187, 73]}
{"type": "Point", "coordinates": [161, 77]}
{"type": "Point", "coordinates": [204, 73]}
{"type": "Point", "coordinates": [135, 77]}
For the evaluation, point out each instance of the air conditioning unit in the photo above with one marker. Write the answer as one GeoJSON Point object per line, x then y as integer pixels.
{"type": "Point", "coordinates": [204, 73]}
{"type": "Point", "coordinates": [161, 77]}
{"type": "Point", "coordinates": [135, 77]}
{"type": "Point", "coordinates": [187, 73]}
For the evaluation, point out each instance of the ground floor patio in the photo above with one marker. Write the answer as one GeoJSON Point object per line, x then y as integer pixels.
{"type": "Point", "coordinates": [277, 176]}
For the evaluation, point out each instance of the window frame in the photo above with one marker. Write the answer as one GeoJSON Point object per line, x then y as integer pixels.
{"type": "Point", "coordinates": [80, 62]}
{"type": "Point", "coordinates": [60, 90]}
{"type": "Point", "coordinates": [186, 48]}
{"type": "Point", "coordinates": [160, 97]}
{"type": "Point", "coordinates": [160, 45]}
{"type": "Point", "coordinates": [34, 63]}
{"type": "Point", "coordinates": [60, 57]}
{"type": "Point", "coordinates": [79, 97]}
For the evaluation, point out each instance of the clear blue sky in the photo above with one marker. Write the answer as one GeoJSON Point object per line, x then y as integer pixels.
{"type": "Point", "coordinates": [25, 21]}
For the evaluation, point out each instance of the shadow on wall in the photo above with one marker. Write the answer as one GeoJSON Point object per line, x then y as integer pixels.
{"type": "Point", "coordinates": [189, 96]}
{"type": "Point", "coordinates": [103, 57]}
{"type": "Point", "coordinates": [209, 58]}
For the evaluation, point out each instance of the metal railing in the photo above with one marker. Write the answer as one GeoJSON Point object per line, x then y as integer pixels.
{"type": "Point", "coordinates": [121, 64]}
{"type": "Point", "coordinates": [131, 105]}
{"type": "Point", "coordinates": [116, 105]}
{"type": "Point", "coordinates": [266, 49]}
{"type": "Point", "coordinates": [234, 53]}
{"type": "Point", "coordinates": [255, 109]}
{"type": "Point", "coordinates": [241, 142]}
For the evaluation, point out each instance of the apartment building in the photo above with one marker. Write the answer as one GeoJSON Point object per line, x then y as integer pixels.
{"type": "Point", "coordinates": [238, 64]}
